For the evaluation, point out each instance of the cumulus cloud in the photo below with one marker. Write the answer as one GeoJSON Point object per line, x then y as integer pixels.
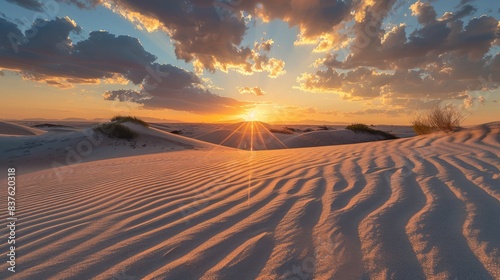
{"type": "Point", "coordinates": [424, 11]}
{"type": "Point", "coordinates": [201, 35]}
{"type": "Point", "coordinates": [45, 53]}
{"type": "Point", "coordinates": [444, 58]}
{"type": "Point", "coordinates": [189, 98]}
{"type": "Point", "coordinates": [251, 90]}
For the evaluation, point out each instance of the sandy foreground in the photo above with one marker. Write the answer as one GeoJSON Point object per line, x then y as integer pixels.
{"type": "Point", "coordinates": [424, 207]}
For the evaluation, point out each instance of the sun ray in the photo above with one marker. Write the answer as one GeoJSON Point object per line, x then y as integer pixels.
{"type": "Point", "coordinates": [277, 139]}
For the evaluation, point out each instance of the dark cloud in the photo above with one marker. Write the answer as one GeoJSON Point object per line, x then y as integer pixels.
{"type": "Point", "coordinates": [464, 11]}
{"type": "Point", "coordinates": [45, 53]}
{"type": "Point", "coordinates": [312, 17]}
{"type": "Point", "coordinates": [177, 89]}
{"type": "Point", "coordinates": [33, 5]}
{"type": "Point", "coordinates": [201, 35]}
{"type": "Point", "coordinates": [189, 97]}
{"type": "Point", "coordinates": [46, 50]}
{"type": "Point", "coordinates": [463, 2]}
{"type": "Point", "coordinates": [41, 6]}
{"type": "Point", "coordinates": [82, 4]}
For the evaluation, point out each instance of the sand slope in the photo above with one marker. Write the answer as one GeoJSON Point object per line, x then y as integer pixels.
{"type": "Point", "coordinates": [416, 208]}
{"type": "Point", "coordinates": [329, 137]}
{"type": "Point", "coordinates": [7, 128]}
{"type": "Point", "coordinates": [262, 136]}
{"type": "Point", "coordinates": [66, 148]}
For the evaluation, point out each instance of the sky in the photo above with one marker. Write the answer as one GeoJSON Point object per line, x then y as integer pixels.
{"type": "Point", "coordinates": [348, 61]}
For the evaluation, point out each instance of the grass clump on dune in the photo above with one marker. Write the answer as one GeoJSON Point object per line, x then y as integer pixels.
{"type": "Point", "coordinates": [122, 119]}
{"type": "Point", "coordinates": [115, 130]}
{"type": "Point", "coordinates": [440, 118]}
{"type": "Point", "coordinates": [359, 127]}
{"type": "Point", "coordinates": [284, 130]}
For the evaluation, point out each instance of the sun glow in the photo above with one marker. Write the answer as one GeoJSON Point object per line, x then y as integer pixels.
{"type": "Point", "coordinates": [251, 116]}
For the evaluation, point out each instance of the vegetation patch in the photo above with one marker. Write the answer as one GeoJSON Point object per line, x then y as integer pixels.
{"type": "Point", "coordinates": [178, 132]}
{"type": "Point", "coordinates": [52, 125]}
{"type": "Point", "coordinates": [115, 130]}
{"type": "Point", "coordinates": [359, 127]}
{"type": "Point", "coordinates": [323, 127]}
{"type": "Point", "coordinates": [284, 130]}
{"type": "Point", "coordinates": [123, 119]}
{"type": "Point", "coordinates": [445, 118]}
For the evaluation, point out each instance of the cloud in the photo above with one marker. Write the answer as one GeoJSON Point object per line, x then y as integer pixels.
{"type": "Point", "coordinates": [33, 5]}
{"type": "Point", "coordinates": [209, 40]}
{"type": "Point", "coordinates": [443, 58]}
{"type": "Point", "coordinates": [382, 112]}
{"type": "Point", "coordinates": [45, 53]}
{"type": "Point", "coordinates": [424, 11]}
{"type": "Point", "coordinates": [177, 89]}
{"type": "Point", "coordinates": [264, 45]}
{"type": "Point", "coordinates": [257, 91]}
{"type": "Point", "coordinates": [191, 99]}
{"type": "Point", "coordinates": [41, 6]}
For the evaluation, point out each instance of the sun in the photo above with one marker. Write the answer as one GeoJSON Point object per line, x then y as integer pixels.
{"type": "Point", "coordinates": [251, 116]}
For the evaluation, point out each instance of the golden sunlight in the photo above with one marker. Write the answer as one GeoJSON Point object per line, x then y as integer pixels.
{"type": "Point", "coordinates": [251, 116]}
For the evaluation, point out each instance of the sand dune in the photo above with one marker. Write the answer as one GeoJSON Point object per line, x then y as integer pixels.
{"type": "Point", "coordinates": [7, 128]}
{"type": "Point", "coordinates": [61, 147]}
{"type": "Point", "coordinates": [329, 137]}
{"type": "Point", "coordinates": [415, 208]}
{"type": "Point", "coordinates": [262, 136]}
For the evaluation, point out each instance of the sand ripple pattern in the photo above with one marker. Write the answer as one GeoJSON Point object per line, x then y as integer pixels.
{"type": "Point", "coordinates": [419, 208]}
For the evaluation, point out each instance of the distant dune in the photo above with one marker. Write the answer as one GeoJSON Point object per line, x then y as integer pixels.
{"type": "Point", "coordinates": [60, 146]}
{"type": "Point", "coordinates": [7, 128]}
{"type": "Point", "coordinates": [425, 207]}
{"type": "Point", "coordinates": [263, 136]}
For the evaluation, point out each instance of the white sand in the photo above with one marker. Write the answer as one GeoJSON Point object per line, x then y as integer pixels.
{"type": "Point", "coordinates": [414, 208]}
{"type": "Point", "coordinates": [8, 128]}
{"type": "Point", "coordinates": [67, 147]}
{"type": "Point", "coordinates": [260, 136]}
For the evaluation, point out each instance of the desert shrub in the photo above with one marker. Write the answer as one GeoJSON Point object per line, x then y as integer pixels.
{"type": "Point", "coordinates": [323, 127]}
{"type": "Point", "coordinates": [281, 130]}
{"type": "Point", "coordinates": [359, 127]}
{"type": "Point", "coordinates": [115, 130]}
{"type": "Point", "coordinates": [50, 125]}
{"type": "Point", "coordinates": [291, 129]}
{"type": "Point", "coordinates": [420, 126]}
{"type": "Point", "coordinates": [122, 119]}
{"type": "Point", "coordinates": [440, 118]}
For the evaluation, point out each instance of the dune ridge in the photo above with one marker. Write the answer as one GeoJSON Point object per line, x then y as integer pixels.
{"type": "Point", "coordinates": [415, 208]}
